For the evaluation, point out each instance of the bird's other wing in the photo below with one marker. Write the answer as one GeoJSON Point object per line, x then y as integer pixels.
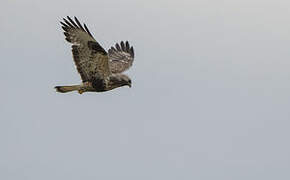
{"type": "Point", "coordinates": [121, 57]}
{"type": "Point", "coordinates": [90, 58]}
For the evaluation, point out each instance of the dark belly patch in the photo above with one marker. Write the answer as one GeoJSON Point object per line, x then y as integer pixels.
{"type": "Point", "coordinates": [99, 85]}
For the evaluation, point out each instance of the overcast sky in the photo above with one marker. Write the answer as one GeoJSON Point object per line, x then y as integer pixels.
{"type": "Point", "coordinates": [210, 96]}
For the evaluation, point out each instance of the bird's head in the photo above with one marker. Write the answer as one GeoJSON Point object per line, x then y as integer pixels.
{"type": "Point", "coordinates": [125, 80]}
{"type": "Point", "coordinates": [118, 80]}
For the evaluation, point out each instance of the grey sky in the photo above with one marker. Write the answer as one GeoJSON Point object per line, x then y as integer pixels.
{"type": "Point", "coordinates": [210, 96]}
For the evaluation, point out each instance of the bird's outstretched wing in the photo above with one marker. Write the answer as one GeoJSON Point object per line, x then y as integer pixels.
{"type": "Point", "coordinates": [121, 57]}
{"type": "Point", "coordinates": [90, 58]}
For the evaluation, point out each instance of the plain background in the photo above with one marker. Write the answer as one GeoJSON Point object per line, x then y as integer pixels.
{"type": "Point", "coordinates": [210, 96]}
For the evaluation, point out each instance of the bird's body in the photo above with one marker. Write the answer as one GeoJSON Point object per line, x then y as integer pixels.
{"type": "Point", "coordinates": [100, 71]}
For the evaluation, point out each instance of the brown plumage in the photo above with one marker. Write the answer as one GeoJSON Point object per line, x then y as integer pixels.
{"type": "Point", "coordinates": [100, 71]}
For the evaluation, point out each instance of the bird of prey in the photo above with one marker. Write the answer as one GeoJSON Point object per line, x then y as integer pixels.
{"type": "Point", "coordinates": [99, 70]}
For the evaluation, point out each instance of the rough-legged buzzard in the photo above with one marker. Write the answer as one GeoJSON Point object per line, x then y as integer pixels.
{"type": "Point", "coordinates": [99, 70]}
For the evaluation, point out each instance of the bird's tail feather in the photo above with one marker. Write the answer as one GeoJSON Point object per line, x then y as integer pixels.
{"type": "Point", "coordinates": [65, 89]}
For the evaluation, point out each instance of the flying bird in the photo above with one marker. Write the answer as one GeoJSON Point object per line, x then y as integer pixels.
{"type": "Point", "coordinates": [99, 70]}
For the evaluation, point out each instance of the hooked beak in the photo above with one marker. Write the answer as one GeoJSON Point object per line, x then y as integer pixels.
{"type": "Point", "coordinates": [129, 85]}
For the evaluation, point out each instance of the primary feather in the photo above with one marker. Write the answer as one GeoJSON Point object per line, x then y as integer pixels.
{"type": "Point", "coordinates": [121, 57]}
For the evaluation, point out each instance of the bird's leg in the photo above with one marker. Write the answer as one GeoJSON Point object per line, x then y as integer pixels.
{"type": "Point", "coordinates": [86, 86]}
{"type": "Point", "coordinates": [80, 91]}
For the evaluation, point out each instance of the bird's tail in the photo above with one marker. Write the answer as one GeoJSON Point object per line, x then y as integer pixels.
{"type": "Point", "coordinates": [65, 89]}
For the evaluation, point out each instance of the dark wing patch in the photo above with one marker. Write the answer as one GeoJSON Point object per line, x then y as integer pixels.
{"type": "Point", "coordinates": [121, 57]}
{"type": "Point", "coordinates": [93, 45]}
{"type": "Point", "coordinates": [90, 57]}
